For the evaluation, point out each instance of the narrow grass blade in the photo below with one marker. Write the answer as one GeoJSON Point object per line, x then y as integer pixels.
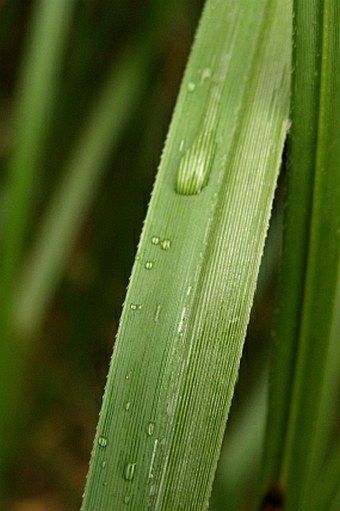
{"type": "Point", "coordinates": [118, 99]}
{"type": "Point", "coordinates": [322, 269]}
{"type": "Point", "coordinates": [35, 100]}
{"type": "Point", "coordinates": [180, 339]}
{"type": "Point", "coordinates": [326, 492]}
{"type": "Point", "coordinates": [300, 179]}
{"type": "Point", "coordinates": [292, 450]}
{"type": "Point", "coordinates": [327, 426]}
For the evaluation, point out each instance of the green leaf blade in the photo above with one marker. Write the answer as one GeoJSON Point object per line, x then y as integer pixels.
{"type": "Point", "coordinates": [183, 325]}
{"type": "Point", "coordinates": [311, 259]}
{"type": "Point", "coordinates": [322, 273]}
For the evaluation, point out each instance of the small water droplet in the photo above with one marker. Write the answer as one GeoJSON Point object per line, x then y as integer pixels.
{"type": "Point", "coordinates": [165, 244]}
{"type": "Point", "coordinates": [128, 376]}
{"type": "Point", "coordinates": [181, 145]}
{"type": "Point", "coordinates": [157, 313]}
{"type": "Point", "coordinates": [206, 74]}
{"type": "Point", "coordinates": [135, 306]}
{"type": "Point", "coordinates": [129, 470]}
{"type": "Point", "coordinates": [191, 87]}
{"type": "Point", "coordinates": [127, 406]}
{"type": "Point", "coordinates": [149, 265]}
{"type": "Point", "coordinates": [151, 428]}
{"type": "Point", "coordinates": [102, 441]}
{"type": "Point", "coordinates": [127, 499]}
{"type": "Point", "coordinates": [155, 240]}
{"type": "Point", "coordinates": [104, 464]}
{"type": "Point", "coordinates": [137, 257]}
{"type": "Point", "coordinates": [104, 483]}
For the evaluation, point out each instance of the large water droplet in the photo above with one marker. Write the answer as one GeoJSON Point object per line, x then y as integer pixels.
{"type": "Point", "coordinates": [102, 441]}
{"type": "Point", "coordinates": [165, 244]}
{"type": "Point", "coordinates": [195, 165]}
{"type": "Point", "coordinates": [129, 470]}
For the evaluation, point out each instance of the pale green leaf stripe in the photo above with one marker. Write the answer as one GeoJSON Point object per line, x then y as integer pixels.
{"type": "Point", "coordinates": [35, 101]}
{"type": "Point", "coordinates": [321, 282]}
{"type": "Point", "coordinates": [181, 334]}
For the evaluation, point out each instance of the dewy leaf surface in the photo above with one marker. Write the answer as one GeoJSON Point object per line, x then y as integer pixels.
{"type": "Point", "coordinates": [181, 334]}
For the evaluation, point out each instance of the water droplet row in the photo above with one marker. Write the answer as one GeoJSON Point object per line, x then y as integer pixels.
{"type": "Point", "coordinates": [136, 306]}
{"type": "Point", "coordinates": [164, 244]}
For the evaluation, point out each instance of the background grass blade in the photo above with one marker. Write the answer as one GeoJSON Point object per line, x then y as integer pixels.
{"type": "Point", "coordinates": [241, 455]}
{"type": "Point", "coordinates": [297, 407]}
{"type": "Point", "coordinates": [35, 101]}
{"type": "Point", "coordinates": [75, 193]}
{"type": "Point", "coordinates": [181, 334]}
{"type": "Point", "coordinates": [117, 101]}
{"type": "Point", "coordinates": [322, 270]}
{"type": "Point", "coordinates": [300, 178]}
{"type": "Point", "coordinates": [326, 493]}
